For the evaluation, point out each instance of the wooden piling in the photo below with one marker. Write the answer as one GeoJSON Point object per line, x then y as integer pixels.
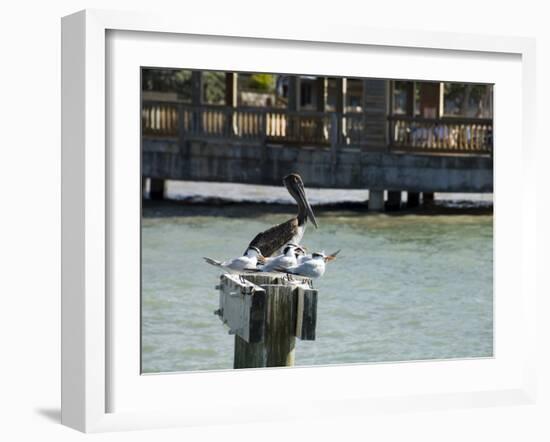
{"type": "Point", "coordinates": [306, 314]}
{"type": "Point", "coordinates": [394, 200]}
{"type": "Point", "coordinates": [266, 312]}
{"type": "Point", "coordinates": [428, 198]}
{"type": "Point", "coordinates": [413, 200]}
{"type": "Point", "coordinates": [376, 200]}
{"type": "Point", "coordinates": [156, 189]}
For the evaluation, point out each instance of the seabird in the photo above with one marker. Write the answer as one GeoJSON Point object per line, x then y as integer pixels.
{"type": "Point", "coordinates": [312, 267]}
{"type": "Point", "coordinates": [287, 259]}
{"type": "Point", "coordinates": [248, 261]}
{"type": "Point", "coordinates": [273, 240]}
{"type": "Point", "coordinates": [303, 258]}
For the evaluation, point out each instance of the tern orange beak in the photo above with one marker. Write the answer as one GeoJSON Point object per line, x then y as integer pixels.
{"type": "Point", "coordinates": [332, 256]}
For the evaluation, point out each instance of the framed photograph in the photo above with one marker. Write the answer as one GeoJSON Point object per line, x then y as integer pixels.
{"type": "Point", "coordinates": [292, 222]}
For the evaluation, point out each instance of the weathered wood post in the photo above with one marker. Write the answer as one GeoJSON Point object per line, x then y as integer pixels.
{"type": "Point", "coordinates": [428, 198]}
{"type": "Point", "coordinates": [231, 103]}
{"type": "Point", "coordinates": [197, 83]}
{"type": "Point", "coordinates": [335, 136]}
{"type": "Point", "coordinates": [413, 199]}
{"type": "Point", "coordinates": [157, 189]}
{"type": "Point", "coordinates": [267, 312]}
{"type": "Point", "coordinates": [264, 164]}
{"type": "Point", "coordinates": [394, 200]}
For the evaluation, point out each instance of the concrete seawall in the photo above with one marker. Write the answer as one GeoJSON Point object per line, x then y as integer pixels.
{"type": "Point", "coordinates": [254, 163]}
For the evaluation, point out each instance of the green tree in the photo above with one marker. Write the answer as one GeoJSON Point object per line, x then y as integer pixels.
{"type": "Point", "coordinates": [262, 82]}
{"type": "Point", "coordinates": [167, 80]}
{"type": "Point", "coordinates": [214, 87]}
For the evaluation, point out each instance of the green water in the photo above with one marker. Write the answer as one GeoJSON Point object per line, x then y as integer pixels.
{"type": "Point", "coordinates": [403, 287]}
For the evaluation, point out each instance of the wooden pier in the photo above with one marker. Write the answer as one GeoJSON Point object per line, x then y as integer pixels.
{"type": "Point", "coordinates": [378, 147]}
{"type": "Point", "coordinates": [267, 312]}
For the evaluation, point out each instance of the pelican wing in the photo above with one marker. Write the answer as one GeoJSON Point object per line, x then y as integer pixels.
{"type": "Point", "coordinates": [271, 240]}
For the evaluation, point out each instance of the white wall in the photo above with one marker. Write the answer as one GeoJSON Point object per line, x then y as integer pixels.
{"type": "Point", "coordinates": [30, 220]}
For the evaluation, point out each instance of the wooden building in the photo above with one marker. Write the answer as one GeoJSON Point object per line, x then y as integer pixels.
{"type": "Point", "coordinates": [339, 132]}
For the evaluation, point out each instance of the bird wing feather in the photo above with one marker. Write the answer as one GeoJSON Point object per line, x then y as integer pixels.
{"type": "Point", "coordinates": [271, 240]}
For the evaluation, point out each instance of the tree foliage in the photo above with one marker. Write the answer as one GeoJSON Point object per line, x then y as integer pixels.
{"type": "Point", "coordinates": [167, 80]}
{"type": "Point", "coordinates": [262, 82]}
{"type": "Point", "coordinates": [214, 87]}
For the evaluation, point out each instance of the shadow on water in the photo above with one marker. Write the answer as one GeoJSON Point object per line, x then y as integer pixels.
{"type": "Point", "coordinates": [228, 209]}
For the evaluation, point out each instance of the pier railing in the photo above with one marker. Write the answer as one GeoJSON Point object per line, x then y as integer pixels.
{"type": "Point", "coordinates": [165, 119]}
{"type": "Point", "coordinates": [321, 129]}
{"type": "Point", "coordinates": [447, 134]}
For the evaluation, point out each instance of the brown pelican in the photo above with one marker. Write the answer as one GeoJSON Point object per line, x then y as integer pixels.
{"type": "Point", "coordinates": [248, 261]}
{"type": "Point", "coordinates": [274, 239]}
{"type": "Point", "coordinates": [312, 267]}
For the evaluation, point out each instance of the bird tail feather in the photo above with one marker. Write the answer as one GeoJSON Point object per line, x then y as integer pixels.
{"type": "Point", "coordinates": [212, 261]}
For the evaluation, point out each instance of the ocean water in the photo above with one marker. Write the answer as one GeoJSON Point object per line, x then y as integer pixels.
{"type": "Point", "coordinates": [406, 287]}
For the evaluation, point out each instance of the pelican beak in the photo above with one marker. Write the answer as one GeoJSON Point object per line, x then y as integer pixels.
{"type": "Point", "coordinates": [303, 199]}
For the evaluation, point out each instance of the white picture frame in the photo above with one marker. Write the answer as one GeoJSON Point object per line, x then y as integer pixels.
{"type": "Point", "coordinates": [87, 208]}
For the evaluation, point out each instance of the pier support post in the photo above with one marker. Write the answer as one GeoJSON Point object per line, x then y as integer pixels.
{"type": "Point", "coordinates": [376, 200]}
{"type": "Point", "coordinates": [267, 312]}
{"type": "Point", "coordinates": [394, 200]}
{"type": "Point", "coordinates": [321, 105]}
{"type": "Point", "coordinates": [293, 105]}
{"type": "Point", "coordinates": [427, 198]}
{"type": "Point", "coordinates": [156, 189]}
{"type": "Point", "coordinates": [375, 135]}
{"type": "Point", "coordinates": [279, 346]}
{"type": "Point", "coordinates": [340, 108]}
{"type": "Point", "coordinates": [143, 186]}
{"type": "Point", "coordinates": [413, 199]}
{"type": "Point", "coordinates": [231, 101]}
{"type": "Point", "coordinates": [196, 100]}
